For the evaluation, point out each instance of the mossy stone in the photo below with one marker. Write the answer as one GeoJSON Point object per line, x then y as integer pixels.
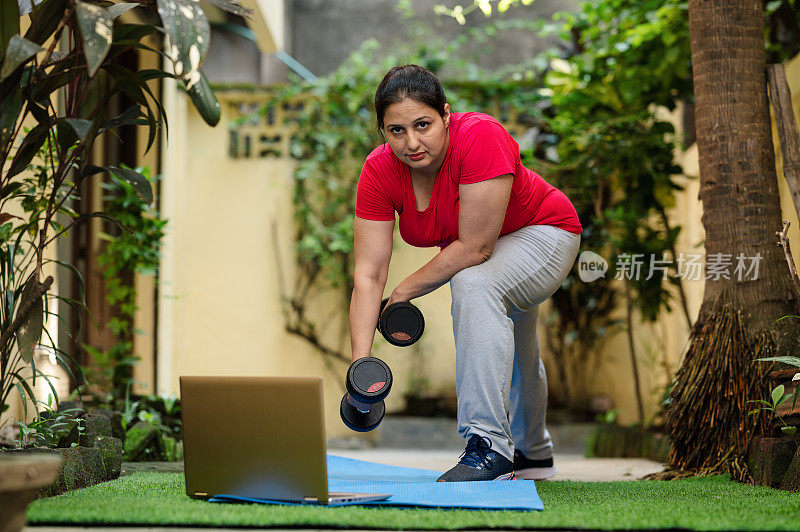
{"type": "Point", "coordinates": [143, 443]}
{"type": "Point", "coordinates": [116, 422]}
{"type": "Point", "coordinates": [94, 426]}
{"type": "Point", "coordinates": [110, 456]}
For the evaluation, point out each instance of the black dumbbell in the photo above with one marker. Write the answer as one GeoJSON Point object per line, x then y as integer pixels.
{"type": "Point", "coordinates": [400, 323]}
{"type": "Point", "coordinates": [368, 382]}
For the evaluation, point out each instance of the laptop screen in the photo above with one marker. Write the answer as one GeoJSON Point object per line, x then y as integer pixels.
{"type": "Point", "coordinates": [259, 437]}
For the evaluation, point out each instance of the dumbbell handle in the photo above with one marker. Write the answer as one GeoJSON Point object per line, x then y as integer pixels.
{"type": "Point", "coordinates": [361, 407]}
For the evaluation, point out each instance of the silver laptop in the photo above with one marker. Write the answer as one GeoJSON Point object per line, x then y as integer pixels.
{"type": "Point", "coordinates": [257, 438]}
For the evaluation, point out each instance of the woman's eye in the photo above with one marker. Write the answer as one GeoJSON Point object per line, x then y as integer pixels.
{"type": "Point", "coordinates": [396, 130]}
{"type": "Point", "coordinates": [422, 125]}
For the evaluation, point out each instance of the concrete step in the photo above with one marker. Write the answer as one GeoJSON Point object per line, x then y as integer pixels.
{"type": "Point", "coordinates": [403, 432]}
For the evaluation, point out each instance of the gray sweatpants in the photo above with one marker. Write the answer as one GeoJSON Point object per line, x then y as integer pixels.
{"type": "Point", "coordinates": [500, 379]}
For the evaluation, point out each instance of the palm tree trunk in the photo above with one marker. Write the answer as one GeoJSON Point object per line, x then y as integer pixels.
{"type": "Point", "coordinates": [708, 421]}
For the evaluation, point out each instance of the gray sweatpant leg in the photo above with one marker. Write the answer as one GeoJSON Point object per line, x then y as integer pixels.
{"type": "Point", "coordinates": [500, 379]}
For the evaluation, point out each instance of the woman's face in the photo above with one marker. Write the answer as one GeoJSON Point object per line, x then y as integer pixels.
{"type": "Point", "coordinates": [417, 134]}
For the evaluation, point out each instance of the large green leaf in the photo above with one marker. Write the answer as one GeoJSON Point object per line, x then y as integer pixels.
{"type": "Point", "coordinates": [131, 116]}
{"type": "Point", "coordinates": [187, 37]}
{"type": "Point", "coordinates": [792, 361]}
{"type": "Point", "coordinates": [9, 22]}
{"type": "Point", "coordinates": [56, 79]}
{"type": "Point", "coordinates": [45, 19]}
{"type": "Point", "coordinates": [80, 126]}
{"type": "Point", "coordinates": [135, 87]}
{"type": "Point", "coordinates": [31, 331]}
{"type": "Point", "coordinates": [139, 183]}
{"type": "Point", "coordinates": [205, 101]}
{"type": "Point", "coordinates": [777, 394]}
{"type": "Point", "coordinates": [97, 30]}
{"type": "Point", "coordinates": [10, 108]}
{"type": "Point", "coordinates": [19, 51]}
{"type": "Point", "coordinates": [72, 129]}
{"type": "Point", "coordinates": [33, 141]}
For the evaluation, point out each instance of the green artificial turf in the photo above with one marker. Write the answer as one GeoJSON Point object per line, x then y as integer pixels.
{"type": "Point", "coordinates": [713, 503]}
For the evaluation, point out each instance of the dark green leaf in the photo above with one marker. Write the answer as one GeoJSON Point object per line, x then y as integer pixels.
{"type": "Point", "coordinates": [40, 114]}
{"type": "Point", "coordinates": [54, 81]}
{"type": "Point", "coordinates": [135, 87]}
{"type": "Point", "coordinates": [154, 74]}
{"type": "Point", "coordinates": [9, 23]}
{"type": "Point", "coordinates": [139, 183]}
{"type": "Point", "coordinates": [66, 135]}
{"type": "Point", "coordinates": [187, 37]}
{"type": "Point", "coordinates": [19, 51]}
{"type": "Point", "coordinates": [9, 189]}
{"type": "Point", "coordinates": [129, 116]}
{"type": "Point", "coordinates": [789, 430]}
{"type": "Point", "coordinates": [80, 126]}
{"type": "Point", "coordinates": [10, 109]}
{"type": "Point", "coordinates": [20, 385]}
{"type": "Point", "coordinates": [91, 170]}
{"type": "Point", "coordinates": [205, 101]}
{"type": "Point", "coordinates": [33, 141]}
{"type": "Point", "coordinates": [97, 29]}
{"type": "Point", "coordinates": [45, 19]}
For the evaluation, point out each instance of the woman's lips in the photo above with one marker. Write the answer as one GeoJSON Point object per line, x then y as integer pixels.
{"type": "Point", "coordinates": [416, 156]}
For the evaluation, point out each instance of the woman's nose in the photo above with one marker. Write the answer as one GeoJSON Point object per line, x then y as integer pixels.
{"type": "Point", "coordinates": [413, 142]}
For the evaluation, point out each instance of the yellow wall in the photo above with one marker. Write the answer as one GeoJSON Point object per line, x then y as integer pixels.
{"type": "Point", "coordinates": [220, 298]}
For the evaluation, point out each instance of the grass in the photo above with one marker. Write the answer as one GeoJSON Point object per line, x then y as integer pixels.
{"type": "Point", "coordinates": [713, 503]}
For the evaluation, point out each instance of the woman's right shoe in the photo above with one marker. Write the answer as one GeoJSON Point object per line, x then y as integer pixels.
{"type": "Point", "coordinates": [480, 463]}
{"type": "Point", "coordinates": [525, 468]}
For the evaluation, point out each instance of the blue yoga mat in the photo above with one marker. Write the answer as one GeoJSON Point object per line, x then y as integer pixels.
{"type": "Point", "coordinates": [418, 487]}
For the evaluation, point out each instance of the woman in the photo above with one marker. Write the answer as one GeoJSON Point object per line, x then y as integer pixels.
{"type": "Point", "coordinates": [507, 239]}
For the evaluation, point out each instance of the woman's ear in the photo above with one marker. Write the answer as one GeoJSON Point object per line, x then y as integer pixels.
{"type": "Point", "coordinates": [446, 116]}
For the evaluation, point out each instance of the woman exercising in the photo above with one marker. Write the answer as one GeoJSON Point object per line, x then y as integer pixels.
{"type": "Point", "coordinates": [507, 241]}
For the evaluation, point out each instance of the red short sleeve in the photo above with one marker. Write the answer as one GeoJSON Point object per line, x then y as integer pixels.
{"type": "Point", "coordinates": [372, 202]}
{"type": "Point", "coordinates": [488, 151]}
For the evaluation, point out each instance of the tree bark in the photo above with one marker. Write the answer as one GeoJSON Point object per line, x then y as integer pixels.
{"type": "Point", "coordinates": [787, 129]}
{"type": "Point", "coordinates": [708, 419]}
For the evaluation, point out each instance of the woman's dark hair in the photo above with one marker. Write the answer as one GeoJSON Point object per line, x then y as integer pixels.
{"type": "Point", "coordinates": [408, 81]}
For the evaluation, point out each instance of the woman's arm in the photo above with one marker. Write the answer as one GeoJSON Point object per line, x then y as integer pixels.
{"type": "Point", "coordinates": [372, 250]}
{"type": "Point", "coordinates": [482, 210]}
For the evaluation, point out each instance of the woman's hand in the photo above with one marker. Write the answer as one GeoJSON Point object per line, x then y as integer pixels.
{"type": "Point", "coordinates": [398, 294]}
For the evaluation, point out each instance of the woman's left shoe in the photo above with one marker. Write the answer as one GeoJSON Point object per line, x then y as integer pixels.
{"type": "Point", "coordinates": [480, 463]}
{"type": "Point", "coordinates": [533, 469]}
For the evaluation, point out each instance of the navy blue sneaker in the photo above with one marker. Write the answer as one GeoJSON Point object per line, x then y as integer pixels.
{"type": "Point", "coordinates": [533, 469]}
{"type": "Point", "coordinates": [480, 463]}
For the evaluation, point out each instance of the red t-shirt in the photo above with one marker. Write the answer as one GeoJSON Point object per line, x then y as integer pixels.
{"type": "Point", "coordinates": [479, 148]}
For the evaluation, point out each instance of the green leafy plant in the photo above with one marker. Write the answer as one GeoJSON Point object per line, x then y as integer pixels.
{"type": "Point", "coordinates": [70, 53]}
{"type": "Point", "coordinates": [49, 426]}
{"type": "Point", "coordinates": [135, 249]}
{"type": "Point", "coordinates": [609, 417]}
{"type": "Point", "coordinates": [778, 396]}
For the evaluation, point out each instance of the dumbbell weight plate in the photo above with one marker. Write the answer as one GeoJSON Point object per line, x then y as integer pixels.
{"type": "Point", "coordinates": [369, 380]}
{"type": "Point", "coordinates": [402, 325]}
{"type": "Point", "coordinates": [360, 421]}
